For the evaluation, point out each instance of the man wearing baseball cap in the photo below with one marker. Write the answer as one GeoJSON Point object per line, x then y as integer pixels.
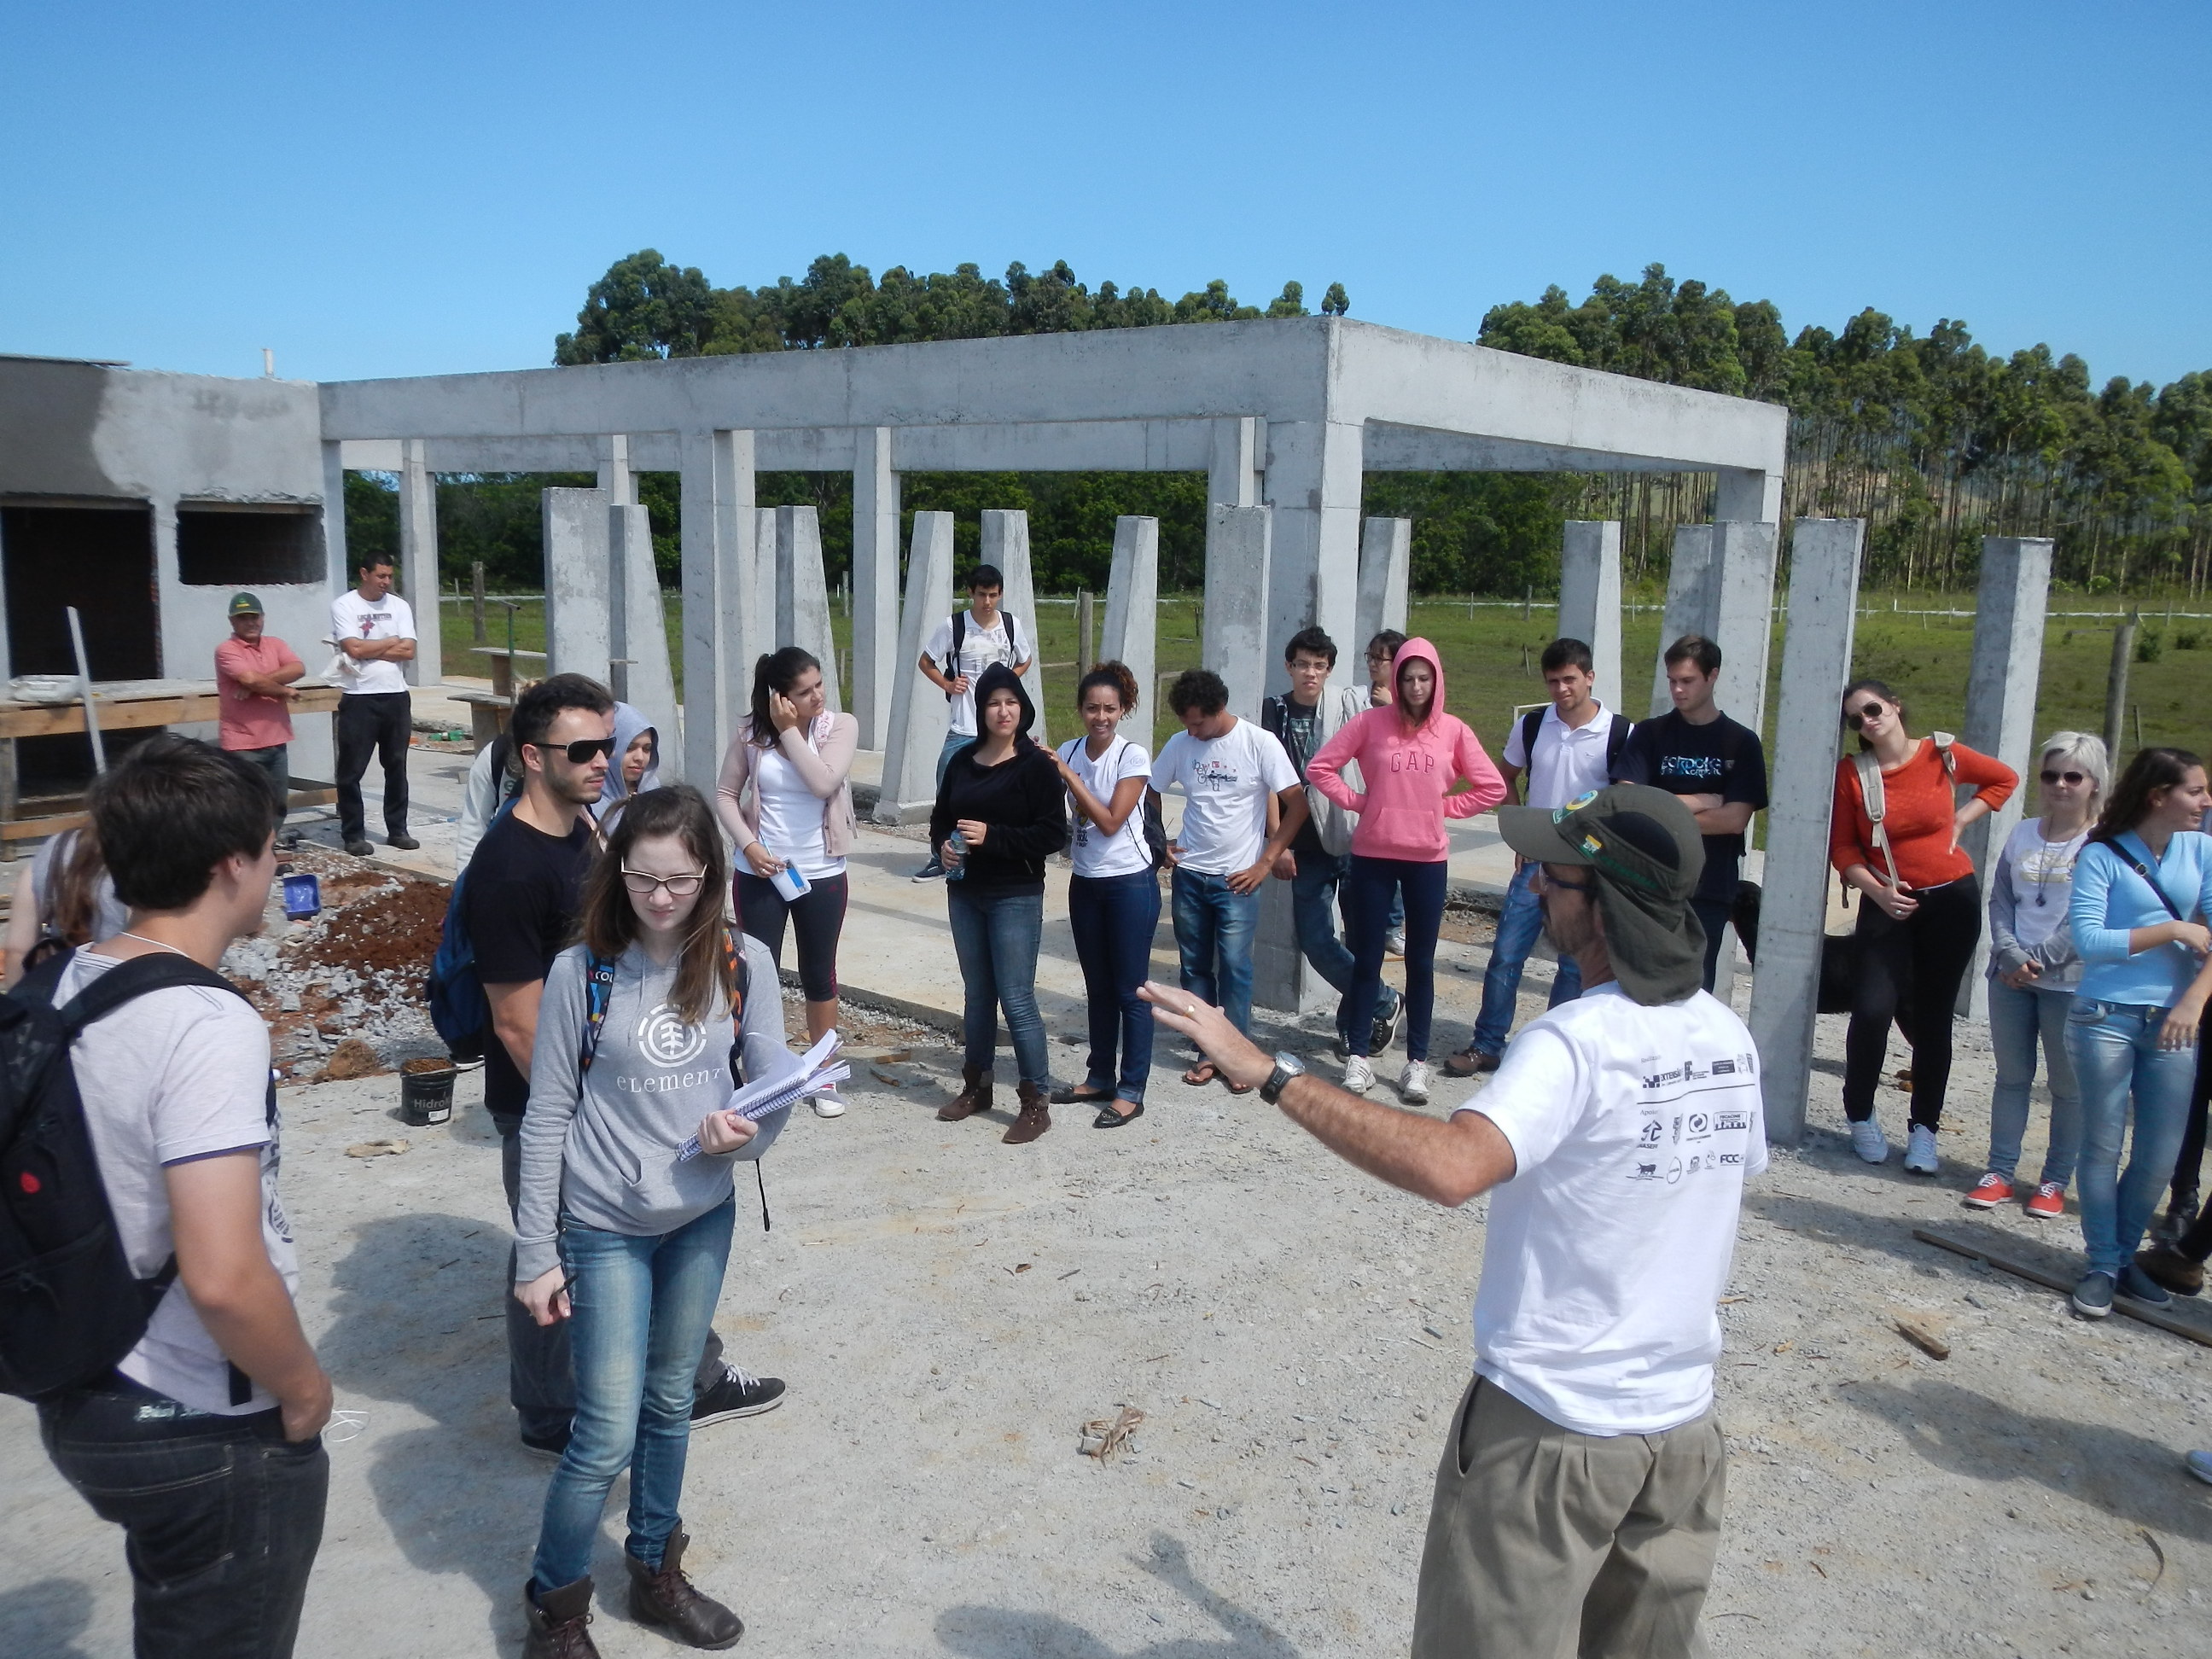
{"type": "Point", "coordinates": [254, 676]}
{"type": "Point", "coordinates": [1577, 1506]}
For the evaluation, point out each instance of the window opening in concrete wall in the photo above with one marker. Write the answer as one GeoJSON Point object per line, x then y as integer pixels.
{"type": "Point", "coordinates": [241, 544]}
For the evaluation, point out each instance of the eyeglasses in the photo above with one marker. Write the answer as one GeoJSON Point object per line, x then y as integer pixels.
{"type": "Point", "coordinates": [579, 752]}
{"type": "Point", "coordinates": [678, 886]}
{"type": "Point", "coordinates": [1872, 709]}
{"type": "Point", "coordinates": [2066, 777]}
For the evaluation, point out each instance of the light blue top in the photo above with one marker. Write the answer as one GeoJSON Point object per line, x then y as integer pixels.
{"type": "Point", "coordinates": [2111, 901]}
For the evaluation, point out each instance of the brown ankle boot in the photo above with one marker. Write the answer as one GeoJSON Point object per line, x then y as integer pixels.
{"type": "Point", "coordinates": [662, 1595]}
{"type": "Point", "coordinates": [556, 1622]}
{"type": "Point", "coordinates": [1035, 1119]}
{"type": "Point", "coordinates": [975, 1098]}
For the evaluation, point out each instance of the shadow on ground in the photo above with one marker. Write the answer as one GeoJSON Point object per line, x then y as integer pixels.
{"type": "Point", "coordinates": [43, 1621]}
{"type": "Point", "coordinates": [998, 1633]}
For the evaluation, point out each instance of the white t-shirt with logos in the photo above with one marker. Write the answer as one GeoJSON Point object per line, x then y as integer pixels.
{"type": "Point", "coordinates": [353, 617]}
{"type": "Point", "coordinates": [1226, 782]}
{"type": "Point", "coordinates": [1570, 760]}
{"type": "Point", "coordinates": [1607, 1253]}
{"type": "Point", "coordinates": [1124, 851]}
{"type": "Point", "coordinates": [171, 1077]}
{"type": "Point", "coordinates": [1002, 641]}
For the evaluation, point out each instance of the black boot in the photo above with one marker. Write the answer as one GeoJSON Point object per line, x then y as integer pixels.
{"type": "Point", "coordinates": [663, 1596]}
{"type": "Point", "coordinates": [557, 1621]}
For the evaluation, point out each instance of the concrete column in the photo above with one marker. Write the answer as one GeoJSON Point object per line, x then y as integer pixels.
{"type": "Point", "coordinates": [876, 674]}
{"type": "Point", "coordinates": [637, 629]}
{"type": "Point", "coordinates": [418, 559]}
{"type": "Point", "coordinates": [1743, 617]}
{"type": "Point", "coordinates": [1006, 545]}
{"type": "Point", "coordinates": [1237, 476]}
{"type": "Point", "coordinates": [579, 607]}
{"type": "Point", "coordinates": [1691, 580]}
{"type": "Point", "coordinates": [1238, 569]}
{"type": "Point", "coordinates": [757, 634]}
{"type": "Point", "coordinates": [1133, 626]}
{"type": "Point", "coordinates": [802, 594]}
{"type": "Point", "coordinates": [616, 478]}
{"type": "Point", "coordinates": [2001, 684]}
{"type": "Point", "coordinates": [1589, 600]}
{"type": "Point", "coordinates": [1753, 497]}
{"type": "Point", "coordinates": [1386, 557]}
{"type": "Point", "coordinates": [334, 529]}
{"type": "Point", "coordinates": [1313, 482]}
{"type": "Point", "coordinates": [1816, 664]}
{"type": "Point", "coordinates": [918, 709]}
{"type": "Point", "coordinates": [717, 471]}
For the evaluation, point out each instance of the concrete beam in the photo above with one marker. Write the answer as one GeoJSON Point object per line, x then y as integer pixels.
{"type": "Point", "coordinates": [2002, 685]}
{"type": "Point", "coordinates": [717, 469]}
{"type": "Point", "coordinates": [919, 713]}
{"type": "Point", "coordinates": [1816, 664]}
{"type": "Point", "coordinates": [579, 607]}
{"type": "Point", "coordinates": [418, 561]}
{"type": "Point", "coordinates": [637, 629]}
{"type": "Point", "coordinates": [1386, 558]}
{"type": "Point", "coordinates": [1313, 483]}
{"type": "Point", "coordinates": [1132, 622]}
{"type": "Point", "coordinates": [1392, 448]}
{"type": "Point", "coordinates": [1589, 600]}
{"type": "Point", "coordinates": [802, 594]}
{"type": "Point", "coordinates": [1690, 601]}
{"type": "Point", "coordinates": [876, 588]}
{"type": "Point", "coordinates": [1006, 543]}
{"type": "Point", "coordinates": [1238, 567]}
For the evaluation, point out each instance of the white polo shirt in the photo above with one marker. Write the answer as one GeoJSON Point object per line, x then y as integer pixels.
{"type": "Point", "coordinates": [1569, 759]}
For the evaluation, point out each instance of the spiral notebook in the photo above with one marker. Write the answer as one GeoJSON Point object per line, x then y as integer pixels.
{"type": "Point", "coordinates": [818, 1071]}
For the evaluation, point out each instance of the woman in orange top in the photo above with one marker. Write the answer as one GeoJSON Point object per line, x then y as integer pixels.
{"type": "Point", "coordinates": [1921, 913]}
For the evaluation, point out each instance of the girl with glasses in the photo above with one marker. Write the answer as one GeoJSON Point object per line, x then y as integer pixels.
{"type": "Point", "coordinates": [2033, 968]}
{"type": "Point", "coordinates": [1920, 915]}
{"type": "Point", "coordinates": [643, 1027]}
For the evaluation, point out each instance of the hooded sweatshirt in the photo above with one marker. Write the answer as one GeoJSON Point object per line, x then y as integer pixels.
{"type": "Point", "coordinates": [1019, 801]}
{"type": "Point", "coordinates": [1407, 774]}
{"type": "Point", "coordinates": [599, 1146]}
{"type": "Point", "coordinates": [630, 723]}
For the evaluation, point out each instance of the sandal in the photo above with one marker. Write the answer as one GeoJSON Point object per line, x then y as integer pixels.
{"type": "Point", "coordinates": [1193, 1078]}
{"type": "Point", "coordinates": [1237, 1088]}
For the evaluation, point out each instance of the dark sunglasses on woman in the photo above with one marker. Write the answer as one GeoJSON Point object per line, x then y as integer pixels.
{"type": "Point", "coordinates": [2066, 777]}
{"type": "Point", "coordinates": [1866, 711]}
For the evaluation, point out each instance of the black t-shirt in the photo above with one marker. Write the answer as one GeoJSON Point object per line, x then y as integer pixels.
{"type": "Point", "coordinates": [1298, 725]}
{"type": "Point", "coordinates": [523, 890]}
{"type": "Point", "coordinates": [1722, 757]}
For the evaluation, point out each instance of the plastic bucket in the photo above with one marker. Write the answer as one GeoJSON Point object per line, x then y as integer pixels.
{"type": "Point", "coordinates": [303, 896]}
{"type": "Point", "coordinates": [427, 1096]}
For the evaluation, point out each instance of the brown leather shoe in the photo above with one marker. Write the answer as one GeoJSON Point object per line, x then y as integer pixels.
{"type": "Point", "coordinates": [557, 1621]}
{"type": "Point", "coordinates": [973, 1097]}
{"type": "Point", "coordinates": [663, 1596]}
{"type": "Point", "coordinates": [1469, 1060]}
{"type": "Point", "coordinates": [1035, 1117]}
{"type": "Point", "coordinates": [2164, 1265]}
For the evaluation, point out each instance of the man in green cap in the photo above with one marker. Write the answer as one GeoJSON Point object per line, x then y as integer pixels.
{"type": "Point", "coordinates": [254, 676]}
{"type": "Point", "coordinates": [1577, 1506]}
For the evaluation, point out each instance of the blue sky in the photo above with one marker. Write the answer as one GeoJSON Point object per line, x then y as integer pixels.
{"type": "Point", "coordinates": [403, 188]}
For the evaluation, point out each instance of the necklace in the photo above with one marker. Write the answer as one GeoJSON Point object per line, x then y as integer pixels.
{"type": "Point", "coordinates": [2044, 877]}
{"type": "Point", "coordinates": [155, 942]}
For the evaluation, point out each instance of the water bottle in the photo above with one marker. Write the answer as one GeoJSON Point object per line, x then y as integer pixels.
{"type": "Point", "coordinates": [956, 844]}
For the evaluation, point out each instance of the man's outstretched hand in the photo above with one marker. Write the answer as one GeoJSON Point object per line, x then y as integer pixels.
{"type": "Point", "coordinates": [1236, 1055]}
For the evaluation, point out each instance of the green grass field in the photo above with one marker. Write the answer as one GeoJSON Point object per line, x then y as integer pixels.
{"type": "Point", "coordinates": [1490, 654]}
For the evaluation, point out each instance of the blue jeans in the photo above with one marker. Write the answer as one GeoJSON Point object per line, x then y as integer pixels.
{"type": "Point", "coordinates": [1313, 896]}
{"type": "Point", "coordinates": [222, 1515]}
{"type": "Point", "coordinates": [2017, 1018]}
{"type": "Point", "coordinates": [1518, 925]}
{"type": "Point", "coordinates": [954, 742]}
{"type": "Point", "coordinates": [996, 935]}
{"type": "Point", "coordinates": [1114, 918]}
{"type": "Point", "coordinates": [642, 1305]}
{"type": "Point", "coordinates": [2123, 1074]}
{"type": "Point", "coordinates": [1214, 929]}
{"type": "Point", "coordinates": [1420, 885]}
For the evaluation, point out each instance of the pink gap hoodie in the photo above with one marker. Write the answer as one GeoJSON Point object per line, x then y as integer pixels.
{"type": "Point", "coordinates": [1408, 774]}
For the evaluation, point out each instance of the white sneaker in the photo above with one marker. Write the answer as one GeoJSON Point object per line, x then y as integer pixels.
{"type": "Point", "coordinates": [1414, 1086]}
{"type": "Point", "coordinates": [828, 1104]}
{"type": "Point", "coordinates": [1920, 1150]}
{"type": "Point", "coordinates": [1869, 1142]}
{"type": "Point", "coordinates": [1358, 1075]}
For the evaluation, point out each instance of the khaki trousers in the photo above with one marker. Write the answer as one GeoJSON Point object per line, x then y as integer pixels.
{"type": "Point", "coordinates": [1547, 1544]}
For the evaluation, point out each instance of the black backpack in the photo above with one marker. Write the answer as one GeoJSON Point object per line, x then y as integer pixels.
{"type": "Point", "coordinates": [1616, 738]}
{"type": "Point", "coordinates": [960, 636]}
{"type": "Point", "coordinates": [70, 1308]}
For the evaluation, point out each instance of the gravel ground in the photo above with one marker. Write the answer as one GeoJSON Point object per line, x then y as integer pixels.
{"type": "Point", "coordinates": [949, 1311]}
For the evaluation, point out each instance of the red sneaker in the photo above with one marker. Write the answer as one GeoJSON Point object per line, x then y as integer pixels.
{"type": "Point", "coordinates": [2048, 1202]}
{"type": "Point", "coordinates": [1991, 1190]}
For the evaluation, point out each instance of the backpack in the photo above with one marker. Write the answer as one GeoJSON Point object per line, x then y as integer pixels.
{"type": "Point", "coordinates": [960, 633]}
{"type": "Point", "coordinates": [459, 1011]}
{"type": "Point", "coordinates": [1875, 795]}
{"type": "Point", "coordinates": [600, 989]}
{"type": "Point", "coordinates": [1616, 738]}
{"type": "Point", "coordinates": [70, 1308]}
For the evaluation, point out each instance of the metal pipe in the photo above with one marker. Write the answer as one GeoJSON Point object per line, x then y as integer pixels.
{"type": "Point", "coordinates": [84, 691]}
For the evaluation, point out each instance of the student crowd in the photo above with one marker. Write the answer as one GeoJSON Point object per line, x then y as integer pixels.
{"type": "Point", "coordinates": [628, 967]}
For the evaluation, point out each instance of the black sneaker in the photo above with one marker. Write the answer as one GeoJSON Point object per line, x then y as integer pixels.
{"type": "Point", "coordinates": [404, 843]}
{"type": "Point", "coordinates": [740, 1394]}
{"type": "Point", "coordinates": [360, 849]}
{"type": "Point", "coordinates": [2092, 1297]}
{"type": "Point", "coordinates": [1386, 1024]}
{"type": "Point", "coordinates": [932, 870]}
{"type": "Point", "coordinates": [548, 1446]}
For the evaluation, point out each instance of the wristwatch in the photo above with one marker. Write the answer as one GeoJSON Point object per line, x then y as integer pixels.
{"type": "Point", "coordinates": [1287, 1068]}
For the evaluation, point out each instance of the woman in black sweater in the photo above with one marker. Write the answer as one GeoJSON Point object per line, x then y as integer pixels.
{"type": "Point", "coordinates": [1000, 815]}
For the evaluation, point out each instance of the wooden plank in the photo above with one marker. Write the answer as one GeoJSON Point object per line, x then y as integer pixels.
{"type": "Point", "coordinates": [54, 719]}
{"type": "Point", "coordinates": [2028, 1271]}
{"type": "Point", "coordinates": [39, 829]}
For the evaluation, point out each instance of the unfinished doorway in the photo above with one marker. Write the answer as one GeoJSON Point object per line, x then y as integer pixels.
{"type": "Point", "coordinates": [98, 558]}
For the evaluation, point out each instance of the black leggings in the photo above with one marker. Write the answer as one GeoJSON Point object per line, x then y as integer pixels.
{"type": "Point", "coordinates": [1911, 968]}
{"type": "Point", "coordinates": [819, 917]}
